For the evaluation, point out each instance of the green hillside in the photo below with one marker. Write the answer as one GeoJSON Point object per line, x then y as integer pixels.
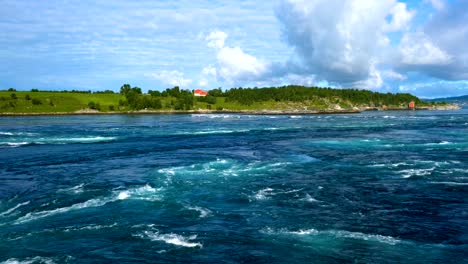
{"type": "Point", "coordinates": [287, 98]}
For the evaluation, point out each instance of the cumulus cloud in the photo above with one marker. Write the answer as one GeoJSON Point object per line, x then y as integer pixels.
{"type": "Point", "coordinates": [343, 41]}
{"type": "Point", "coordinates": [233, 65]}
{"type": "Point", "coordinates": [438, 50]}
{"type": "Point", "coordinates": [418, 49]}
{"type": "Point", "coordinates": [174, 78]}
{"type": "Point", "coordinates": [216, 39]}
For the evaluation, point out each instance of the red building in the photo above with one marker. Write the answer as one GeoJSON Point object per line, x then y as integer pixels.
{"type": "Point", "coordinates": [199, 92]}
{"type": "Point", "coordinates": [411, 105]}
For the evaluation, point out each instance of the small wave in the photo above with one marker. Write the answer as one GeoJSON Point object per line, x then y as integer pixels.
{"type": "Point", "coordinates": [146, 192]}
{"type": "Point", "coordinates": [171, 238]}
{"type": "Point", "coordinates": [213, 116]}
{"type": "Point", "coordinates": [209, 132]}
{"type": "Point", "coordinates": [263, 194]}
{"type": "Point", "coordinates": [42, 260]}
{"type": "Point", "coordinates": [340, 234]}
{"type": "Point", "coordinates": [452, 183]}
{"type": "Point", "coordinates": [14, 208]}
{"type": "Point", "coordinates": [416, 172]}
{"type": "Point", "coordinates": [42, 214]}
{"type": "Point", "coordinates": [220, 167]}
{"type": "Point", "coordinates": [440, 143]}
{"type": "Point", "coordinates": [204, 212]}
{"type": "Point", "coordinates": [142, 193]}
{"type": "Point", "coordinates": [310, 199]}
{"type": "Point", "coordinates": [41, 141]}
{"type": "Point", "coordinates": [89, 227]}
{"type": "Point", "coordinates": [302, 158]}
{"type": "Point", "coordinates": [17, 134]}
{"type": "Point", "coordinates": [75, 189]}
{"type": "Point", "coordinates": [15, 144]}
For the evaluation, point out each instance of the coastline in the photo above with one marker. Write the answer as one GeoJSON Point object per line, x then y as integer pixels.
{"type": "Point", "coordinates": [246, 112]}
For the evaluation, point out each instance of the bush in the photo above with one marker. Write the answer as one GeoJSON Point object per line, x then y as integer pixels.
{"type": "Point", "coordinates": [111, 108]}
{"type": "Point", "coordinates": [12, 90]}
{"type": "Point", "coordinates": [36, 101]}
{"type": "Point", "coordinates": [34, 90]}
{"type": "Point", "coordinates": [95, 106]}
{"type": "Point", "coordinates": [27, 97]}
{"type": "Point", "coordinates": [13, 96]}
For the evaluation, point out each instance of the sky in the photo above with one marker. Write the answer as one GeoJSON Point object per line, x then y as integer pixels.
{"type": "Point", "coordinates": [409, 46]}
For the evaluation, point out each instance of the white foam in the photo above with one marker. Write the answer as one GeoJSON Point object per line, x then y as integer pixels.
{"type": "Point", "coordinates": [208, 132]}
{"type": "Point", "coordinates": [75, 189]}
{"type": "Point", "coordinates": [440, 143]}
{"type": "Point", "coordinates": [14, 208]}
{"type": "Point", "coordinates": [337, 234]}
{"type": "Point", "coordinates": [89, 227]}
{"type": "Point", "coordinates": [15, 144]}
{"type": "Point", "coordinates": [171, 238]}
{"type": "Point", "coordinates": [17, 133]}
{"type": "Point", "coordinates": [263, 194]}
{"type": "Point", "coordinates": [146, 192]}
{"type": "Point", "coordinates": [416, 172]}
{"type": "Point", "coordinates": [29, 261]}
{"type": "Point", "coordinates": [123, 195]}
{"type": "Point", "coordinates": [80, 139]}
{"type": "Point", "coordinates": [141, 193]}
{"type": "Point", "coordinates": [452, 183]}
{"type": "Point", "coordinates": [310, 199]}
{"type": "Point", "coordinates": [204, 212]}
{"type": "Point", "coordinates": [42, 214]}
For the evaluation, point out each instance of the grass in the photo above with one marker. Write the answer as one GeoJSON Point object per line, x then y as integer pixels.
{"type": "Point", "coordinates": [54, 102]}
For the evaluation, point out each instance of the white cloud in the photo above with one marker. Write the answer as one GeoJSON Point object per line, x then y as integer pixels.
{"type": "Point", "coordinates": [437, 4]}
{"type": "Point", "coordinates": [174, 78]}
{"type": "Point", "coordinates": [216, 39]}
{"type": "Point", "coordinates": [418, 49]}
{"type": "Point", "coordinates": [401, 18]}
{"type": "Point", "coordinates": [233, 64]}
{"type": "Point", "coordinates": [343, 41]}
{"type": "Point", "coordinates": [209, 71]}
{"type": "Point", "coordinates": [390, 74]}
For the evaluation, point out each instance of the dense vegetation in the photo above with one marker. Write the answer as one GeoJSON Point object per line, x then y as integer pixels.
{"type": "Point", "coordinates": [133, 99]}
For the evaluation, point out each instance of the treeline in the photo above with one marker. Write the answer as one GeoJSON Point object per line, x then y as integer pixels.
{"type": "Point", "coordinates": [179, 99]}
{"type": "Point", "coordinates": [294, 93]}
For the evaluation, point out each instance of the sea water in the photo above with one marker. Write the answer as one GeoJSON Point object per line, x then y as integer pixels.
{"type": "Point", "coordinates": [375, 187]}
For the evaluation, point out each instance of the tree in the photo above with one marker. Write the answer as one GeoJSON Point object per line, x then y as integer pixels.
{"type": "Point", "coordinates": [125, 89]}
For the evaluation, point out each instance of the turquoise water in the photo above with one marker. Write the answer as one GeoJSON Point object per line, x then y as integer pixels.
{"type": "Point", "coordinates": [376, 187]}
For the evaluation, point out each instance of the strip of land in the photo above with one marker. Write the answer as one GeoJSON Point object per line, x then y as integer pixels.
{"type": "Point", "coordinates": [287, 100]}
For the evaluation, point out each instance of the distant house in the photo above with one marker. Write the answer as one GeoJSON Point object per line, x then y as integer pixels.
{"type": "Point", "coordinates": [411, 105]}
{"type": "Point", "coordinates": [199, 92]}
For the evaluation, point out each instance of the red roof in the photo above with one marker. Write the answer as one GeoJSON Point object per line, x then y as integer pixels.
{"type": "Point", "coordinates": [200, 92]}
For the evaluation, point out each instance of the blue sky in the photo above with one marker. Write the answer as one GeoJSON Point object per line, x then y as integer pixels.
{"type": "Point", "coordinates": [386, 45]}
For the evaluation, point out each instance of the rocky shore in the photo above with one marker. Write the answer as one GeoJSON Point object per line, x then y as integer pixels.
{"type": "Point", "coordinates": [249, 112]}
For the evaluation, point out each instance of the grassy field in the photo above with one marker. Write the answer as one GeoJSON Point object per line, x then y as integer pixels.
{"type": "Point", "coordinates": [60, 102]}
{"type": "Point", "coordinates": [54, 102]}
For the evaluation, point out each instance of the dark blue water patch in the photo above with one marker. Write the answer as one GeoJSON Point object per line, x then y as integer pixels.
{"type": "Point", "coordinates": [381, 187]}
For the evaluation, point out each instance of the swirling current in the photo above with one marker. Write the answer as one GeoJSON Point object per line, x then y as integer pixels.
{"type": "Point", "coordinates": [375, 187]}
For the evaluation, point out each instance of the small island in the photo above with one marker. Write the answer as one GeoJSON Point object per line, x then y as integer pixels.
{"type": "Point", "coordinates": [291, 99]}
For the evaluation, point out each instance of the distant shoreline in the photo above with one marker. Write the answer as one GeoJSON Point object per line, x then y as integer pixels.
{"type": "Point", "coordinates": [247, 112]}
